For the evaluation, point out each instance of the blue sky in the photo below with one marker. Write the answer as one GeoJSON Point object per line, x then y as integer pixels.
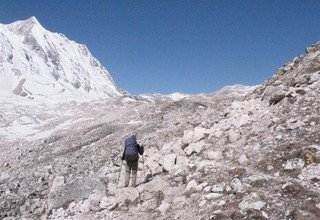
{"type": "Point", "coordinates": [186, 46]}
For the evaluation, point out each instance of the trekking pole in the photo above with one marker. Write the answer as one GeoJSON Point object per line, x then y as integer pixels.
{"type": "Point", "coordinates": [119, 173]}
{"type": "Point", "coordinates": [144, 172]}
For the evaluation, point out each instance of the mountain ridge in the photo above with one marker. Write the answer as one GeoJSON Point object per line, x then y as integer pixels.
{"type": "Point", "coordinates": [36, 63]}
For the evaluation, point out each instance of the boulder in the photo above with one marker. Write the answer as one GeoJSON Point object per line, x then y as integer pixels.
{"type": "Point", "coordinates": [194, 148]}
{"type": "Point", "coordinates": [200, 133]}
{"type": "Point", "coordinates": [212, 196]}
{"type": "Point", "coordinates": [214, 155]}
{"type": "Point", "coordinates": [251, 201]}
{"type": "Point", "coordinates": [150, 205]}
{"type": "Point", "coordinates": [169, 162]}
{"type": "Point", "coordinates": [233, 136]}
{"type": "Point", "coordinates": [106, 202]}
{"type": "Point", "coordinates": [187, 137]}
{"type": "Point", "coordinates": [296, 163]}
{"type": "Point", "coordinates": [191, 186]}
{"type": "Point", "coordinates": [219, 187]}
{"type": "Point", "coordinates": [314, 77]}
{"type": "Point", "coordinates": [274, 94]}
{"type": "Point", "coordinates": [294, 124]}
{"type": "Point", "coordinates": [242, 159]}
{"type": "Point", "coordinates": [157, 184]}
{"type": "Point", "coordinates": [94, 200]}
{"type": "Point", "coordinates": [77, 189]}
{"type": "Point", "coordinates": [128, 195]}
{"type": "Point", "coordinates": [201, 186]}
{"type": "Point", "coordinates": [164, 208]}
{"type": "Point", "coordinates": [237, 185]}
{"type": "Point", "coordinates": [311, 172]}
{"type": "Point", "coordinates": [243, 119]}
{"type": "Point", "coordinates": [154, 163]}
{"type": "Point", "coordinates": [194, 136]}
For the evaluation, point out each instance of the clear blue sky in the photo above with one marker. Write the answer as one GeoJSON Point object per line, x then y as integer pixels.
{"type": "Point", "coordinates": [187, 46]}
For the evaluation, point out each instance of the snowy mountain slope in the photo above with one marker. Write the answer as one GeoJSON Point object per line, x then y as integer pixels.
{"type": "Point", "coordinates": [36, 63]}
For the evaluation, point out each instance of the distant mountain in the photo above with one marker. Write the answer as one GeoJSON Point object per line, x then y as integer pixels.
{"type": "Point", "coordinates": [38, 64]}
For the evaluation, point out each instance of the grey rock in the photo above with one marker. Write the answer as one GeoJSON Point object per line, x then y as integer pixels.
{"type": "Point", "coordinates": [79, 188]}
{"type": "Point", "coordinates": [251, 201]}
{"type": "Point", "coordinates": [127, 195]}
{"type": "Point", "coordinates": [296, 163]}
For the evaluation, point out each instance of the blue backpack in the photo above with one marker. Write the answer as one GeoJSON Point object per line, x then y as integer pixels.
{"type": "Point", "coordinates": [131, 151]}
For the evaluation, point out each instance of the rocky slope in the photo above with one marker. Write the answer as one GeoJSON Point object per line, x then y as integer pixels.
{"type": "Point", "coordinates": [36, 63]}
{"type": "Point", "coordinates": [251, 155]}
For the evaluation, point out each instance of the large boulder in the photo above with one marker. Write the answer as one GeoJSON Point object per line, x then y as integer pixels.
{"type": "Point", "coordinates": [128, 195]}
{"type": "Point", "coordinates": [194, 136]}
{"type": "Point", "coordinates": [77, 189]}
{"type": "Point", "coordinates": [157, 184]}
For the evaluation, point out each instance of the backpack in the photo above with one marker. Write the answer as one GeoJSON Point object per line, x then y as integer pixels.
{"type": "Point", "coordinates": [131, 151]}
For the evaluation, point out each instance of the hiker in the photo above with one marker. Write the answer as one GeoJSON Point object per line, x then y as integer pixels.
{"type": "Point", "coordinates": [131, 156]}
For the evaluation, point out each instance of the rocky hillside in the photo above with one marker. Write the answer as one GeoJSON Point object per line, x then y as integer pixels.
{"type": "Point", "coordinates": [36, 63]}
{"type": "Point", "coordinates": [253, 155]}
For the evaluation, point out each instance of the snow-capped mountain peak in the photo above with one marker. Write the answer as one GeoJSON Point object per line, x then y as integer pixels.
{"type": "Point", "coordinates": [25, 24]}
{"type": "Point", "coordinates": [36, 63]}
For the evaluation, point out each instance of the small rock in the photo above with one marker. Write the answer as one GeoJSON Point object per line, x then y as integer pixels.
{"type": "Point", "coordinates": [314, 77]}
{"type": "Point", "coordinates": [212, 196]}
{"type": "Point", "coordinates": [150, 205]}
{"type": "Point", "coordinates": [233, 136]}
{"type": "Point", "coordinates": [201, 186]}
{"type": "Point", "coordinates": [310, 172]}
{"type": "Point", "coordinates": [294, 124]}
{"type": "Point", "coordinates": [228, 188]}
{"type": "Point", "coordinates": [207, 189]}
{"type": "Point", "coordinates": [264, 214]}
{"type": "Point", "coordinates": [242, 120]}
{"type": "Point", "coordinates": [164, 208]}
{"type": "Point", "coordinates": [214, 155]}
{"type": "Point", "coordinates": [243, 159]}
{"type": "Point", "coordinates": [6, 164]}
{"type": "Point", "coordinates": [194, 148]}
{"type": "Point", "coordinates": [187, 137]}
{"type": "Point", "coordinates": [270, 167]}
{"type": "Point", "coordinates": [202, 203]}
{"type": "Point", "coordinates": [237, 185]}
{"type": "Point", "coordinates": [218, 187]}
{"type": "Point", "coordinates": [94, 200]}
{"type": "Point", "coordinates": [192, 185]}
{"type": "Point", "coordinates": [309, 157]}
{"type": "Point", "coordinates": [292, 164]}
{"type": "Point", "coordinates": [251, 201]}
